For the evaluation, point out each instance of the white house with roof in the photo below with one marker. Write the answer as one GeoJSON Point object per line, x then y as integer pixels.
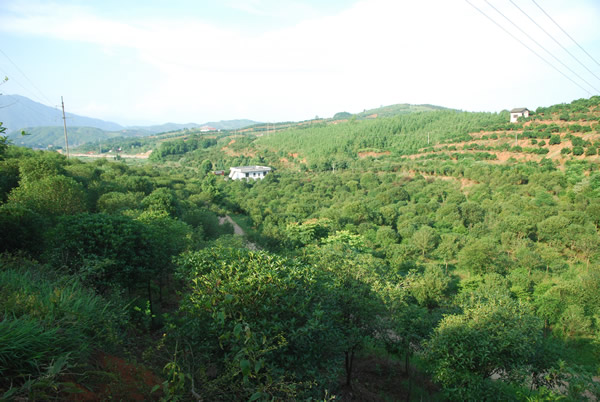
{"type": "Point", "coordinates": [518, 112]}
{"type": "Point", "coordinates": [248, 172]}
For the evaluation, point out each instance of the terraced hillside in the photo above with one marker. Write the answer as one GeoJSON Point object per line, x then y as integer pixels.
{"type": "Point", "coordinates": [560, 133]}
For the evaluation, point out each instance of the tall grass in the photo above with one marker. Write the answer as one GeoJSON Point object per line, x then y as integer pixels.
{"type": "Point", "coordinates": [46, 318]}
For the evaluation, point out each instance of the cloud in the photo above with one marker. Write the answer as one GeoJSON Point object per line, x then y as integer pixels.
{"type": "Point", "coordinates": [374, 52]}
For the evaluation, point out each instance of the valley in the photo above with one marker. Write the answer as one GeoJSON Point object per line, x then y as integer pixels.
{"type": "Point", "coordinates": [409, 252]}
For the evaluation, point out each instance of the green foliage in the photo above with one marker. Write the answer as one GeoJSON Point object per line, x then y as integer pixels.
{"type": "Point", "coordinates": [480, 256]}
{"type": "Point", "coordinates": [51, 325]}
{"type": "Point", "coordinates": [257, 322]}
{"type": "Point", "coordinates": [116, 202]}
{"type": "Point", "coordinates": [50, 195]}
{"type": "Point", "coordinates": [20, 229]}
{"type": "Point", "coordinates": [425, 239]}
{"type": "Point", "coordinates": [379, 248]}
{"type": "Point", "coordinates": [103, 250]}
{"type": "Point", "coordinates": [9, 177]}
{"type": "Point", "coordinates": [498, 337]}
{"type": "Point", "coordinates": [430, 287]}
{"type": "Point", "coordinates": [43, 165]}
{"type": "Point", "coordinates": [162, 200]}
{"type": "Point", "coordinates": [342, 115]}
{"type": "Point", "coordinates": [307, 232]}
{"type": "Point", "coordinates": [180, 146]}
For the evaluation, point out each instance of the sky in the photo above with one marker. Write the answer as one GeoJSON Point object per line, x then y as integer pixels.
{"type": "Point", "coordinates": [157, 61]}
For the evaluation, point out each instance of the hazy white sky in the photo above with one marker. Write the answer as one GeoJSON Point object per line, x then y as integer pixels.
{"type": "Point", "coordinates": [153, 61]}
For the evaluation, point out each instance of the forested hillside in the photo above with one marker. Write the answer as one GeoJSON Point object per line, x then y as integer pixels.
{"type": "Point", "coordinates": [437, 255]}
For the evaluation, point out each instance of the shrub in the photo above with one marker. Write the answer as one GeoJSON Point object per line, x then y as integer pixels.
{"type": "Point", "coordinates": [554, 140]}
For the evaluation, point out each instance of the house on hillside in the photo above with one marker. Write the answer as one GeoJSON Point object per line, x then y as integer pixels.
{"type": "Point", "coordinates": [518, 112]}
{"type": "Point", "coordinates": [248, 172]}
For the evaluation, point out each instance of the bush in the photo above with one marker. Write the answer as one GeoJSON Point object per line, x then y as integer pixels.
{"type": "Point", "coordinates": [578, 150]}
{"type": "Point", "coordinates": [554, 140]}
{"type": "Point", "coordinates": [20, 229]}
{"type": "Point", "coordinates": [261, 325]}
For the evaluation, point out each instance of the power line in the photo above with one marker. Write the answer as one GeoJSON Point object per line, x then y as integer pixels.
{"type": "Point", "coordinates": [528, 48]}
{"type": "Point", "coordinates": [537, 43]}
{"type": "Point", "coordinates": [26, 77]}
{"type": "Point", "coordinates": [557, 42]}
{"type": "Point", "coordinates": [565, 32]}
{"type": "Point", "coordinates": [11, 79]}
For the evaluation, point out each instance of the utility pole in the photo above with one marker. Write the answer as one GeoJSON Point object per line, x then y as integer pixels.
{"type": "Point", "coordinates": [427, 138]}
{"type": "Point", "coordinates": [65, 125]}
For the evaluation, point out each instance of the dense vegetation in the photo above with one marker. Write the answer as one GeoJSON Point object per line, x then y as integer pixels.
{"type": "Point", "coordinates": [412, 272]}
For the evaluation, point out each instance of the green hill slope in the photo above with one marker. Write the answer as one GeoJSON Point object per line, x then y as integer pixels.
{"type": "Point", "coordinates": [398, 109]}
{"type": "Point", "coordinates": [54, 137]}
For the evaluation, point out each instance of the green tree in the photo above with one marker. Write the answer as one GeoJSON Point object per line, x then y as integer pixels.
{"type": "Point", "coordinates": [357, 305]}
{"type": "Point", "coordinates": [206, 167]}
{"type": "Point", "coordinates": [480, 256]}
{"type": "Point", "coordinates": [261, 323]}
{"type": "Point", "coordinates": [425, 239]}
{"type": "Point", "coordinates": [471, 213]}
{"type": "Point", "coordinates": [428, 288]}
{"type": "Point", "coordinates": [40, 166]}
{"type": "Point", "coordinates": [51, 195]}
{"type": "Point", "coordinates": [447, 250]}
{"type": "Point", "coordinates": [162, 200]}
{"type": "Point", "coordinates": [494, 337]}
{"type": "Point", "coordinates": [3, 141]}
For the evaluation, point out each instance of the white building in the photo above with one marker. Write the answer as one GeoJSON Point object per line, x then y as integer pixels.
{"type": "Point", "coordinates": [518, 112]}
{"type": "Point", "coordinates": [248, 172]}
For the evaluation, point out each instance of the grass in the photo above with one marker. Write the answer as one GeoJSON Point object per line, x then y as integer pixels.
{"type": "Point", "coordinates": [50, 324]}
{"type": "Point", "coordinates": [245, 223]}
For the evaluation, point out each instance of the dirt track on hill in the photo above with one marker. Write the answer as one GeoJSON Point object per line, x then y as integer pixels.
{"type": "Point", "coordinates": [237, 230]}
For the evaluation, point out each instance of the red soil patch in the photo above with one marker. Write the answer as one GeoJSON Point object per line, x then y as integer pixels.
{"type": "Point", "coordinates": [120, 380]}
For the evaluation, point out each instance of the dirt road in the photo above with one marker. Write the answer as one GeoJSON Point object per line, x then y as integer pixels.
{"type": "Point", "coordinates": [237, 230]}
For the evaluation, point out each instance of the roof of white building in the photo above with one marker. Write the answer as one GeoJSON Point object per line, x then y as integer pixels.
{"type": "Point", "coordinates": [250, 169]}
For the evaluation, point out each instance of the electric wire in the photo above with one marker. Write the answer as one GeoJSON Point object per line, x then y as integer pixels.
{"type": "Point", "coordinates": [540, 45]}
{"type": "Point", "coordinates": [554, 39]}
{"type": "Point", "coordinates": [528, 48]}
{"type": "Point", "coordinates": [26, 77]}
{"type": "Point", "coordinates": [29, 91]}
{"type": "Point", "coordinates": [565, 32]}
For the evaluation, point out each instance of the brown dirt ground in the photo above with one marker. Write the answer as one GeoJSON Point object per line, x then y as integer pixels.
{"type": "Point", "coordinates": [121, 381]}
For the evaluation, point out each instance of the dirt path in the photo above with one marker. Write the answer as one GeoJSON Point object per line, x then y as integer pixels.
{"type": "Point", "coordinates": [237, 230]}
{"type": "Point", "coordinates": [144, 155]}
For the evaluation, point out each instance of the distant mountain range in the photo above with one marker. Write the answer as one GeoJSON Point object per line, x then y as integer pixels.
{"type": "Point", "coordinates": [44, 125]}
